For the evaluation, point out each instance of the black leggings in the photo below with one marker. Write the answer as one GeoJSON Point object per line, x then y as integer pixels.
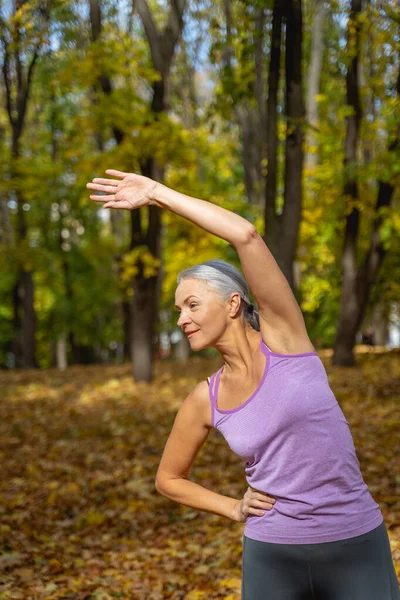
{"type": "Point", "coordinates": [359, 568]}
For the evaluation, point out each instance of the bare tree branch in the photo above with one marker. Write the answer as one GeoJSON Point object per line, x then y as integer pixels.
{"type": "Point", "coordinates": [6, 76]}
{"type": "Point", "coordinates": [172, 31]}
{"type": "Point", "coordinates": [18, 67]}
{"type": "Point", "coordinates": [162, 45]}
{"type": "Point", "coordinates": [103, 80]}
{"type": "Point", "coordinates": [95, 19]}
{"type": "Point", "coordinates": [376, 251]}
{"type": "Point", "coordinates": [152, 33]}
{"type": "Point", "coordinates": [23, 92]}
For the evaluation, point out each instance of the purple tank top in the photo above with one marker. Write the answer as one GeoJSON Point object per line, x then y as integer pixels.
{"type": "Point", "coordinates": [297, 447]}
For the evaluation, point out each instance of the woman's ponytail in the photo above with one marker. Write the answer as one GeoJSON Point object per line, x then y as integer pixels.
{"type": "Point", "coordinates": [252, 316]}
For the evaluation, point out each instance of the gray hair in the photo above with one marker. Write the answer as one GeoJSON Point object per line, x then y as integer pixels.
{"type": "Point", "coordinates": [224, 279]}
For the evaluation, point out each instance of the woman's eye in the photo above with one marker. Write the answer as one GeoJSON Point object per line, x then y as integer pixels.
{"type": "Point", "coordinates": [192, 304]}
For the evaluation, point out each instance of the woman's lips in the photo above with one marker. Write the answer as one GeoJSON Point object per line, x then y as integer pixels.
{"type": "Point", "coordinates": [192, 333]}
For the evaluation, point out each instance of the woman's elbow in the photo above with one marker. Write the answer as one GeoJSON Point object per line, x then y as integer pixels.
{"type": "Point", "coordinates": [161, 484]}
{"type": "Point", "coordinates": [168, 485]}
{"type": "Point", "coordinates": [248, 233]}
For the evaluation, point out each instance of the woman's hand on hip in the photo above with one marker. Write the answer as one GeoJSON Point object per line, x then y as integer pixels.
{"type": "Point", "coordinates": [129, 191]}
{"type": "Point", "coordinates": [252, 503]}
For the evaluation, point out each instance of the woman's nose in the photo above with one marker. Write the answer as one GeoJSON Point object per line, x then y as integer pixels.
{"type": "Point", "coordinates": [183, 318]}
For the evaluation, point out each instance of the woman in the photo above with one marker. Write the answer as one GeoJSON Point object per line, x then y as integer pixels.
{"type": "Point", "coordinates": [312, 530]}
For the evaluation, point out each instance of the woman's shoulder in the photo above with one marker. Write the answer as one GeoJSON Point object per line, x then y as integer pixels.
{"type": "Point", "coordinates": [199, 401]}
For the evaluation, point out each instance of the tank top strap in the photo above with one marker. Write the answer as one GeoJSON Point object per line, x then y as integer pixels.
{"type": "Point", "coordinates": [264, 348]}
{"type": "Point", "coordinates": [213, 388]}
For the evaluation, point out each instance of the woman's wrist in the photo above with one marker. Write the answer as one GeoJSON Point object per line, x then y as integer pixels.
{"type": "Point", "coordinates": [236, 514]}
{"type": "Point", "coordinates": [154, 193]}
{"type": "Point", "coordinates": [161, 196]}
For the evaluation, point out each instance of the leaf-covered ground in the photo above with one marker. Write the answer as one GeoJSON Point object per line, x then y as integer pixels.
{"type": "Point", "coordinates": [79, 514]}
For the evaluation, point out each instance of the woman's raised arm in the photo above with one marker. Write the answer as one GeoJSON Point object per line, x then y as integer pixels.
{"type": "Point", "coordinates": [281, 321]}
{"type": "Point", "coordinates": [133, 191]}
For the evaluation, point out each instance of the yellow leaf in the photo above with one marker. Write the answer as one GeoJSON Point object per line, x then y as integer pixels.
{"type": "Point", "coordinates": [52, 498]}
{"type": "Point", "coordinates": [71, 488]}
{"type": "Point", "coordinates": [194, 595]}
{"type": "Point", "coordinates": [235, 582]}
{"type": "Point", "coordinates": [201, 569]}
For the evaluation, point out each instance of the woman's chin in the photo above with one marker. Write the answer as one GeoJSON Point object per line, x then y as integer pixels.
{"type": "Point", "coordinates": [196, 345]}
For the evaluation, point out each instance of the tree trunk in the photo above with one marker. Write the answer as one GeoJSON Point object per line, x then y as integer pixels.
{"type": "Point", "coordinates": [144, 304]}
{"type": "Point", "coordinates": [357, 282]}
{"type": "Point", "coordinates": [251, 120]}
{"type": "Point", "coordinates": [272, 219]}
{"type": "Point", "coordinates": [251, 157]}
{"type": "Point", "coordinates": [75, 354]}
{"type": "Point", "coordinates": [104, 81]}
{"type": "Point", "coordinates": [259, 84]}
{"type": "Point", "coordinates": [380, 325]}
{"type": "Point", "coordinates": [61, 352]}
{"type": "Point", "coordinates": [351, 296]}
{"type": "Point", "coordinates": [23, 294]}
{"type": "Point", "coordinates": [127, 312]}
{"type": "Point", "coordinates": [314, 77]}
{"type": "Point", "coordinates": [146, 290]}
{"type": "Point", "coordinates": [79, 354]}
{"type": "Point", "coordinates": [6, 232]}
{"type": "Point", "coordinates": [24, 321]}
{"type": "Point", "coordinates": [17, 69]}
{"type": "Point", "coordinates": [104, 84]}
{"type": "Point", "coordinates": [294, 110]}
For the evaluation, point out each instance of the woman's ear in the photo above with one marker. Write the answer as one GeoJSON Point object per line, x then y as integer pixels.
{"type": "Point", "coordinates": [234, 304]}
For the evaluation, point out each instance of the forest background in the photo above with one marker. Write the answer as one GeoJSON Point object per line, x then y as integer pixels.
{"type": "Point", "coordinates": [285, 112]}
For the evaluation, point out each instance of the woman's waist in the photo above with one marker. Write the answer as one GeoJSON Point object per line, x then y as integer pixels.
{"type": "Point", "coordinates": [300, 518]}
{"type": "Point", "coordinates": [283, 531]}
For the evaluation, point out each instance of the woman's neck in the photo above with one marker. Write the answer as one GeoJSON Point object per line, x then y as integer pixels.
{"type": "Point", "coordinates": [238, 349]}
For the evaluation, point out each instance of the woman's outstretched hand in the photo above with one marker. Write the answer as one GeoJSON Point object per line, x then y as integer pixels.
{"type": "Point", "coordinates": [252, 503]}
{"type": "Point", "coordinates": [129, 191]}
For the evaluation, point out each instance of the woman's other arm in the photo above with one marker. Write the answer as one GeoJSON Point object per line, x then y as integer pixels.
{"type": "Point", "coordinates": [191, 428]}
{"type": "Point", "coordinates": [190, 431]}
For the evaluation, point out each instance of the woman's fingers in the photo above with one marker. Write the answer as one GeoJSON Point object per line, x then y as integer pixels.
{"type": "Point", "coordinates": [110, 189]}
{"type": "Point", "coordinates": [264, 498]}
{"type": "Point", "coordinates": [260, 495]}
{"type": "Point", "coordinates": [262, 501]}
{"type": "Point", "coordinates": [116, 173]}
{"type": "Point", "coordinates": [104, 181]}
{"type": "Point", "coordinates": [107, 198]}
{"type": "Point", "coordinates": [258, 512]}
{"type": "Point", "coordinates": [262, 504]}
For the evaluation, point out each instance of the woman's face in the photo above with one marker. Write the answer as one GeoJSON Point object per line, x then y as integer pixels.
{"type": "Point", "coordinates": [203, 316]}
